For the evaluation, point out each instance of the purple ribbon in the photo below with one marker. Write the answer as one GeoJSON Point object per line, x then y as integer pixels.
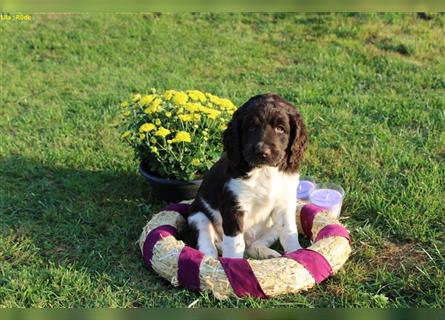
{"type": "Point", "coordinates": [154, 236]}
{"type": "Point", "coordinates": [188, 268]}
{"type": "Point", "coordinates": [313, 262]}
{"type": "Point", "coordinates": [241, 277]}
{"type": "Point", "coordinates": [307, 215]}
{"type": "Point", "coordinates": [333, 230]}
{"type": "Point", "coordinates": [181, 208]}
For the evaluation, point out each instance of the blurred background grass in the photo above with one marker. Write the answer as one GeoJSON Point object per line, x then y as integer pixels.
{"type": "Point", "coordinates": [371, 88]}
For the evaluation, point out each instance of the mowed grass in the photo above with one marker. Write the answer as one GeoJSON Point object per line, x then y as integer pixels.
{"type": "Point", "coordinates": [72, 204]}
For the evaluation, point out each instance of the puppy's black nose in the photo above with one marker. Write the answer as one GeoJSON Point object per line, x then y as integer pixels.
{"type": "Point", "coordinates": [263, 151]}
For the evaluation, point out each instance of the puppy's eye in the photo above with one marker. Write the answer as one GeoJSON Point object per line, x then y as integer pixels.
{"type": "Point", "coordinates": [252, 127]}
{"type": "Point", "coordinates": [279, 129]}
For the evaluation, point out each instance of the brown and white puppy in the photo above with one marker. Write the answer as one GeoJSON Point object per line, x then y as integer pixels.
{"type": "Point", "coordinates": [248, 198]}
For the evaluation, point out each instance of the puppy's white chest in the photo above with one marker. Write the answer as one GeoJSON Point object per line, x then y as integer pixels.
{"type": "Point", "coordinates": [265, 189]}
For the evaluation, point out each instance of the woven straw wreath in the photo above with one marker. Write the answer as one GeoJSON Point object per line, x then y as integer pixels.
{"type": "Point", "coordinates": [224, 277]}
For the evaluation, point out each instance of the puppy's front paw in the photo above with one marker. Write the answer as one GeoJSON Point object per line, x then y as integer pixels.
{"type": "Point", "coordinates": [233, 255]}
{"type": "Point", "coordinates": [233, 247]}
{"type": "Point", "coordinates": [290, 243]}
{"type": "Point", "coordinates": [293, 248]}
{"type": "Point", "coordinates": [209, 251]}
{"type": "Point", "coordinates": [263, 252]}
{"type": "Point", "coordinates": [271, 253]}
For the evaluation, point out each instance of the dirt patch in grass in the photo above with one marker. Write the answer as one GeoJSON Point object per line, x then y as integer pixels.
{"type": "Point", "coordinates": [336, 289]}
{"type": "Point", "coordinates": [441, 155]}
{"type": "Point", "coordinates": [395, 257]}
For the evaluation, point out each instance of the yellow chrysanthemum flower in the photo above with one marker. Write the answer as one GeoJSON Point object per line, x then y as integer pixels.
{"type": "Point", "coordinates": [214, 99]}
{"type": "Point", "coordinates": [147, 127]}
{"type": "Point", "coordinates": [226, 103]}
{"type": "Point", "coordinates": [156, 102]}
{"type": "Point", "coordinates": [182, 136]}
{"type": "Point", "coordinates": [136, 97]}
{"type": "Point", "coordinates": [192, 107]}
{"type": "Point", "coordinates": [154, 106]}
{"type": "Point", "coordinates": [149, 110]}
{"type": "Point", "coordinates": [124, 104]}
{"type": "Point", "coordinates": [162, 132]}
{"type": "Point", "coordinates": [147, 99]}
{"type": "Point", "coordinates": [196, 162]}
{"type": "Point", "coordinates": [169, 94]}
{"type": "Point", "coordinates": [180, 98]}
{"type": "Point", "coordinates": [197, 117]}
{"type": "Point", "coordinates": [126, 134]}
{"type": "Point", "coordinates": [185, 117]}
{"type": "Point", "coordinates": [197, 95]}
{"type": "Point", "coordinates": [213, 114]}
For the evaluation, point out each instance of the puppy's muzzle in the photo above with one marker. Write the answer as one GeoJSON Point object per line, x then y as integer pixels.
{"type": "Point", "coordinates": [263, 152]}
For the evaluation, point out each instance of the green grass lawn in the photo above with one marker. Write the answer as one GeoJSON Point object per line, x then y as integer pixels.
{"type": "Point", "coordinates": [72, 204]}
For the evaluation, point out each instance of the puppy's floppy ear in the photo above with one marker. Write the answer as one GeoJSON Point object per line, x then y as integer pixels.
{"type": "Point", "coordinates": [232, 139]}
{"type": "Point", "coordinates": [297, 141]}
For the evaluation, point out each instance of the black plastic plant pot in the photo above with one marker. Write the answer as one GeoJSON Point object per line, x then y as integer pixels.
{"type": "Point", "coordinates": [168, 189]}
